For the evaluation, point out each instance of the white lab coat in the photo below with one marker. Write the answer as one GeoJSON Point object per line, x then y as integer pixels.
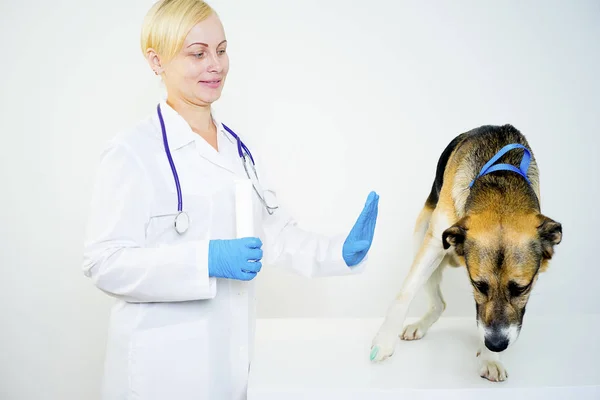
{"type": "Point", "coordinates": [174, 333]}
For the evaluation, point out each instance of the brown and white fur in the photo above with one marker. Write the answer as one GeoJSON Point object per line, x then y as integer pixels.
{"type": "Point", "coordinates": [495, 229]}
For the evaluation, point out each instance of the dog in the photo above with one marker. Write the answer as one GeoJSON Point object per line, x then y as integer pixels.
{"type": "Point", "coordinates": [483, 213]}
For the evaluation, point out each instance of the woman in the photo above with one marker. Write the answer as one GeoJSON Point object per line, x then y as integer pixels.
{"type": "Point", "coordinates": [182, 326]}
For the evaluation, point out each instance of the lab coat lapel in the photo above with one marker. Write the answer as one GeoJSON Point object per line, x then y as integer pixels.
{"type": "Point", "coordinates": [221, 157]}
{"type": "Point", "coordinates": [228, 149]}
{"type": "Point", "coordinates": [180, 134]}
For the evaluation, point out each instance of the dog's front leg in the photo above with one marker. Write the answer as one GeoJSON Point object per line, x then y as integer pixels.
{"type": "Point", "coordinates": [427, 259]}
{"type": "Point", "coordinates": [490, 366]}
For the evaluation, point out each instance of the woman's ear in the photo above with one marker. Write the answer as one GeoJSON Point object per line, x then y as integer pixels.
{"type": "Point", "coordinates": [154, 61]}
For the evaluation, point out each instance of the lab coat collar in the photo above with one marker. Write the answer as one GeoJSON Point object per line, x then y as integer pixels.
{"type": "Point", "coordinates": [180, 134]}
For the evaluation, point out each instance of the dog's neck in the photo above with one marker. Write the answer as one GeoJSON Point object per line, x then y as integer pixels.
{"type": "Point", "coordinates": [514, 195]}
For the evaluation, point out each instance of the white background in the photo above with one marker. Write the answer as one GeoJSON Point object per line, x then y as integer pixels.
{"type": "Point", "coordinates": [374, 89]}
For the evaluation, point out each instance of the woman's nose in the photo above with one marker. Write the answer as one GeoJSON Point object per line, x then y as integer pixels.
{"type": "Point", "coordinates": [215, 64]}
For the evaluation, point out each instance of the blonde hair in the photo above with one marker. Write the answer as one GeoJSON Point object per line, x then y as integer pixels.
{"type": "Point", "coordinates": [167, 24]}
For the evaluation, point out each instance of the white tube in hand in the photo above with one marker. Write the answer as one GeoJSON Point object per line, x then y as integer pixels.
{"type": "Point", "coordinates": [244, 210]}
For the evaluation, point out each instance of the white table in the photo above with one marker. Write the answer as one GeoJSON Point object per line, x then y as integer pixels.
{"type": "Point", "coordinates": [318, 359]}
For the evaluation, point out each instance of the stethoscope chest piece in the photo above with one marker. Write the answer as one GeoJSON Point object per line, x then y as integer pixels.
{"type": "Point", "coordinates": [182, 222]}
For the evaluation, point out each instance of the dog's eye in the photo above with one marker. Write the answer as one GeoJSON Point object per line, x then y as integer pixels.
{"type": "Point", "coordinates": [516, 290]}
{"type": "Point", "coordinates": [482, 287]}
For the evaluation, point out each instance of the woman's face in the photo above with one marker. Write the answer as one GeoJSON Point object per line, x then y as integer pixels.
{"type": "Point", "coordinates": [196, 75]}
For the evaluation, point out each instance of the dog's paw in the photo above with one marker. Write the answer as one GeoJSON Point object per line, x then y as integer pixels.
{"type": "Point", "coordinates": [383, 345]}
{"type": "Point", "coordinates": [490, 366]}
{"type": "Point", "coordinates": [493, 371]}
{"type": "Point", "coordinates": [413, 332]}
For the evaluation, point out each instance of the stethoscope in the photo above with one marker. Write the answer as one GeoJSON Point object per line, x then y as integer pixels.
{"type": "Point", "coordinates": [182, 219]}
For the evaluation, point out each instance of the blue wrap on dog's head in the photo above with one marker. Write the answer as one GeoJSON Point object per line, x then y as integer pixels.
{"type": "Point", "coordinates": [522, 170]}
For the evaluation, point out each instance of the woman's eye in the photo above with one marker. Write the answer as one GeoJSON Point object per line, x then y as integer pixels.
{"type": "Point", "coordinates": [221, 52]}
{"type": "Point", "coordinates": [198, 55]}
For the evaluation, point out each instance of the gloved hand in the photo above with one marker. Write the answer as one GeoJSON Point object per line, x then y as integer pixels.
{"type": "Point", "coordinates": [359, 240]}
{"type": "Point", "coordinates": [235, 258]}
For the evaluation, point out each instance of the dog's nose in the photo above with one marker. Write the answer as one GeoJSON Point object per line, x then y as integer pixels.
{"type": "Point", "coordinates": [496, 342]}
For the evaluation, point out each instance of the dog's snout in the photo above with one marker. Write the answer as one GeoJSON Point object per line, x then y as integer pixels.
{"type": "Point", "coordinates": [498, 337]}
{"type": "Point", "coordinates": [496, 341]}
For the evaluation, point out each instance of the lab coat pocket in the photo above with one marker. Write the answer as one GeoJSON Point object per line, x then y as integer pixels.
{"type": "Point", "coordinates": [170, 362]}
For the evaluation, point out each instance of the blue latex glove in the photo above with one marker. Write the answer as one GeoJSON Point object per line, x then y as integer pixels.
{"type": "Point", "coordinates": [235, 258]}
{"type": "Point", "coordinates": [359, 240]}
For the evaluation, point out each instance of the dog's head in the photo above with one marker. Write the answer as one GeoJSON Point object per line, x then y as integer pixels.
{"type": "Point", "coordinates": [504, 256]}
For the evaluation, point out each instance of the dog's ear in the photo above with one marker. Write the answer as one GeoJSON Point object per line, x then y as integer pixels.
{"type": "Point", "coordinates": [455, 236]}
{"type": "Point", "coordinates": [550, 234]}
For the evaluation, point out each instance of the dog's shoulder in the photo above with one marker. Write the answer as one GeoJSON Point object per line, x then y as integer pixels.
{"type": "Point", "coordinates": [442, 165]}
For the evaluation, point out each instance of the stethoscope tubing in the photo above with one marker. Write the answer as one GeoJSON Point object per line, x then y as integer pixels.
{"type": "Point", "coordinates": [173, 169]}
{"type": "Point", "coordinates": [242, 148]}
